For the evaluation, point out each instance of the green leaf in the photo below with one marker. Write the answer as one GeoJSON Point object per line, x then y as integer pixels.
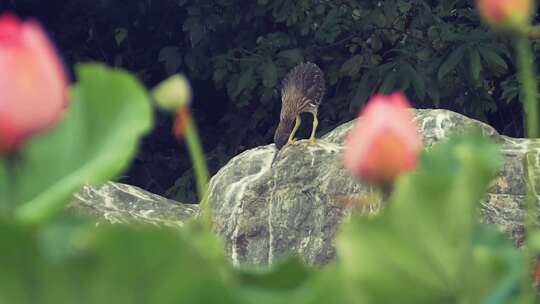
{"type": "Point", "coordinates": [475, 64]}
{"type": "Point", "coordinates": [389, 82]}
{"type": "Point", "coordinates": [362, 93]}
{"type": "Point", "coordinates": [75, 262]}
{"type": "Point", "coordinates": [494, 252]}
{"type": "Point", "coordinates": [6, 189]}
{"type": "Point", "coordinates": [285, 275]}
{"type": "Point", "coordinates": [171, 57]}
{"type": "Point", "coordinates": [293, 55]}
{"type": "Point", "coordinates": [290, 281]}
{"type": "Point", "coordinates": [108, 114]}
{"type": "Point", "coordinates": [423, 248]}
{"type": "Point", "coordinates": [434, 92]}
{"type": "Point", "coordinates": [417, 82]}
{"type": "Point", "coordinates": [403, 6]}
{"type": "Point", "coordinates": [194, 27]}
{"type": "Point", "coordinates": [112, 265]}
{"type": "Point", "coordinates": [453, 59]}
{"type": "Point", "coordinates": [269, 75]}
{"type": "Point", "coordinates": [243, 82]}
{"type": "Point", "coordinates": [120, 35]}
{"type": "Point", "coordinates": [220, 75]}
{"type": "Point", "coordinates": [491, 57]}
{"type": "Point", "coordinates": [352, 66]}
{"type": "Point", "coordinates": [376, 43]}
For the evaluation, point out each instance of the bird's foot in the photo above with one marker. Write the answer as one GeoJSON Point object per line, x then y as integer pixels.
{"type": "Point", "coordinates": [291, 141]}
{"type": "Point", "coordinates": [312, 141]}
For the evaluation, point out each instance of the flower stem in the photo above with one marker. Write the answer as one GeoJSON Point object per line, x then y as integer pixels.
{"type": "Point", "coordinates": [529, 92]}
{"type": "Point", "coordinates": [201, 170]}
{"type": "Point", "coordinates": [529, 86]}
{"type": "Point", "coordinates": [8, 183]}
{"type": "Point", "coordinates": [5, 175]}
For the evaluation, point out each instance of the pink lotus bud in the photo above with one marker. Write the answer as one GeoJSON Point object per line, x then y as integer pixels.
{"type": "Point", "coordinates": [384, 142]}
{"type": "Point", "coordinates": [33, 82]}
{"type": "Point", "coordinates": [505, 13]}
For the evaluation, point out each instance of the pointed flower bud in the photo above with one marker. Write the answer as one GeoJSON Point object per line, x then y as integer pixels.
{"type": "Point", "coordinates": [33, 82]}
{"type": "Point", "coordinates": [506, 13]}
{"type": "Point", "coordinates": [173, 93]}
{"type": "Point", "coordinates": [384, 142]}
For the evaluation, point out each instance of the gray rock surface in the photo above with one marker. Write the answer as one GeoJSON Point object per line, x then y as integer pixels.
{"type": "Point", "coordinates": [265, 211]}
{"type": "Point", "coordinates": [121, 203]}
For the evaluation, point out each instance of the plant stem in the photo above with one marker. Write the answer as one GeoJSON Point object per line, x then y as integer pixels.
{"type": "Point", "coordinates": [201, 170]}
{"type": "Point", "coordinates": [528, 85]}
{"type": "Point", "coordinates": [529, 89]}
{"type": "Point", "coordinates": [8, 183]}
{"type": "Point", "coordinates": [5, 176]}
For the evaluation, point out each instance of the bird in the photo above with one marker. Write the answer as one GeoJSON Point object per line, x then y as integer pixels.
{"type": "Point", "coordinates": [302, 90]}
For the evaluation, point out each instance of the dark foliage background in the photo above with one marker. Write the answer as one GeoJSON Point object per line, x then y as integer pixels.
{"type": "Point", "coordinates": [236, 51]}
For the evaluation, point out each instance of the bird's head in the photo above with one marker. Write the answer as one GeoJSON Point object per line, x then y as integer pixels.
{"type": "Point", "coordinates": [283, 131]}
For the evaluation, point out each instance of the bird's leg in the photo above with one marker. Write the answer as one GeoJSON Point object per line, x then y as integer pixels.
{"type": "Point", "coordinates": [296, 126]}
{"type": "Point", "coordinates": [315, 124]}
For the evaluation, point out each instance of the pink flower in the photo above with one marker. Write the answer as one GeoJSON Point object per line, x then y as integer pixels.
{"type": "Point", "coordinates": [384, 142]}
{"type": "Point", "coordinates": [505, 12]}
{"type": "Point", "coordinates": [33, 82]}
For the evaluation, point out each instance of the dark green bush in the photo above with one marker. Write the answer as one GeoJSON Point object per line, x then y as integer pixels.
{"type": "Point", "coordinates": [238, 51]}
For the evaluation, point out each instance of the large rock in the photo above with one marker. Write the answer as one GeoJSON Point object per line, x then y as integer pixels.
{"type": "Point", "coordinates": [265, 211]}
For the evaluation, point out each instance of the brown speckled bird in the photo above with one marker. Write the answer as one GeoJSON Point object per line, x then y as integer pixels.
{"type": "Point", "coordinates": [302, 90]}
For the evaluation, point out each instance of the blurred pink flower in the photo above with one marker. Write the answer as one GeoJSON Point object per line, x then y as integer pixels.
{"type": "Point", "coordinates": [499, 13]}
{"type": "Point", "coordinates": [384, 142]}
{"type": "Point", "coordinates": [33, 82]}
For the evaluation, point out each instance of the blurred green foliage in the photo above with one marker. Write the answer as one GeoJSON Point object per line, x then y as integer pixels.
{"type": "Point", "coordinates": [236, 53]}
{"type": "Point", "coordinates": [94, 142]}
{"type": "Point", "coordinates": [427, 246]}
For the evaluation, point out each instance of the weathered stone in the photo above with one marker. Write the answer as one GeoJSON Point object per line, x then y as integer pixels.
{"type": "Point", "coordinates": [265, 211]}
{"type": "Point", "coordinates": [120, 203]}
{"type": "Point", "coordinates": [296, 205]}
{"type": "Point", "coordinates": [506, 211]}
{"type": "Point", "coordinates": [434, 126]}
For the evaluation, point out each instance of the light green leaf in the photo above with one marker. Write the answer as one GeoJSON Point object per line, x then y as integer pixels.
{"type": "Point", "coordinates": [109, 113]}
{"type": "Point", "coordinates": [112, 265]}
{"type": "Point", "coordinates": [424, 247]}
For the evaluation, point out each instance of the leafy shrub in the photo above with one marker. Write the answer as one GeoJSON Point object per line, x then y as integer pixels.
{"type": "Point", "coordinates": [236, 53]}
